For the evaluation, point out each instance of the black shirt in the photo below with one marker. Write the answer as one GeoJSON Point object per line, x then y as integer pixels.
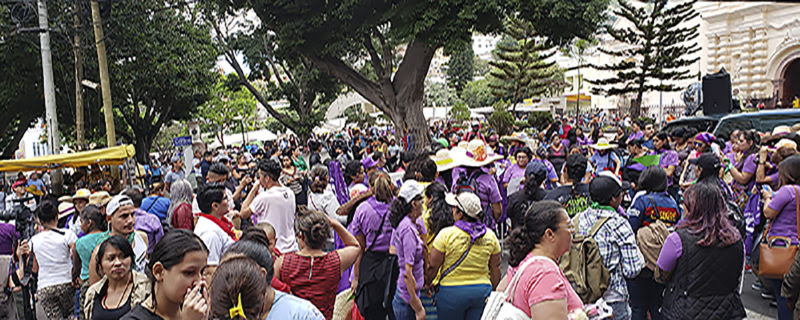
{"type": "Point", "coordinates": [519, 202]}
{"type": "Point", "coordinates": [575, 202]}
{"type": "Point", "coordinates": [100, 313]}
{"type": "Point", "coordinates": [141, 313]}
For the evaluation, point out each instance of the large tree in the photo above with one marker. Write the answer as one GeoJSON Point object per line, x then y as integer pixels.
{"type": "Point", "coordinates": [229, 104]}
{"type": "Point", "coordinates": [340, 37]}
{"type": "Point", "coordinates": [658, 44]}
{"type": "Point", "coordinates": [293, 78]}
{"type": "Point", "coordinates": [161, 67]}
{"type": "Point", "coordinates": [521, 69]}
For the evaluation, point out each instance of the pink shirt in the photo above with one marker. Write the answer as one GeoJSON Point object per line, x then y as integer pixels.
{"type": "Point", "coordinates": [542, 281]}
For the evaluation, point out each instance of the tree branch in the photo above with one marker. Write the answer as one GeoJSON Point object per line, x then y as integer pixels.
{"type": "Point", "coordinates": [375, 59]}
{"type": "Point", "coordinates": [347, 75]}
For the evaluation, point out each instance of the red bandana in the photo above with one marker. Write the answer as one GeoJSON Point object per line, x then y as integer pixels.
{"type": "Point", "coordinates": [225, 224]}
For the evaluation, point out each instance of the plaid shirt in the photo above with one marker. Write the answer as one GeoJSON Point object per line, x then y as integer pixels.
{"type": "Point", "coordinates": [617, 244]}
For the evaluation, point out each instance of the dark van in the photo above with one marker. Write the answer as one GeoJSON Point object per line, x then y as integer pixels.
{"type": "Point", "coordinates": [762, 121]}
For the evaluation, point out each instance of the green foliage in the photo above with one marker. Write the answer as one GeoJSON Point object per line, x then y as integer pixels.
{"type": "Point", "coordinates": [459, 112]}
{"type": "Point", "coordinates": [229, 104]}
{"type": "Point", "coordinates": [501, 120]}
{"type": "Point", "coordinates": [161, 68]}
{"type": "Point", "coordinates": [355, 116]}
{"type": "Point", "coordinates": [657, 50]}
{"type": "Point", "coordinates": [540, 119]}
{"type": "Point", "coordinates": [274, 125]}
{"type": "Point", "coordinates": [357, 41]}
{"type": "Point", "coordinates": [439, 94]}
{"type": "Point", "coordinates": [563, 20]}
{"type": "Point", "coordinates": [482, 67]}
{"type": "Point", "coordinates": [645, 121]}
{"type": "Point", "coordinates": [520, 70]}
{"type": "Point", "coordinates": [461, 67]}
{"type": "Point", "coordinates": [478, 94]}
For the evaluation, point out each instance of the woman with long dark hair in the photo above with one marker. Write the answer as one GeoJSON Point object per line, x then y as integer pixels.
{"type": "Point", "coordinates": [464, 260]}
{"type": "Point", "coordinates": [542, 291]}
{"type": "Point", "coordinates": [121, 288]}
{"type": "Point", "coordinates": [668, 160]}
{"type": "Point", "coordinates": [177, 287]}
{"type": "Point", "coordinates": [781, 208]}
{"type": "Point", "coordinates": [408, 244]}
{"type": "Point", "coordinates": [704, 240]}
{"type": "Point", "coordinates": [743, 168]}
{"type": "Point", "coordinates": [440, 214]}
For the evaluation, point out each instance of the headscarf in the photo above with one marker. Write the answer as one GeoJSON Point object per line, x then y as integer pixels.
{"type": "Point", "coordinates": [705, 137]}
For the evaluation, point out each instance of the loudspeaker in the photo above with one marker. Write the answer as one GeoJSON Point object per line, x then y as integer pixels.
{"type": "Point", "coordinates": [194, 131]}
{"type": "Point", "coordinates": [717, 93]}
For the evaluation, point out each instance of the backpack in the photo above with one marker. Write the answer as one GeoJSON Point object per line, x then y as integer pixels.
{"type": "Point", "coordinates": [467, 184]}
{"type": "Point", "coordinates": [737, 217]}
{"type": "Point", "coordinates": [583, 266]}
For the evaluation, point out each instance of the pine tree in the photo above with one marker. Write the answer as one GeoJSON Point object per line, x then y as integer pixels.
{"type": "Point", "coordinates": [461, 66]}
{"type": "Point", "coordinates": [520, 70]}
{"type": "Point", "coordinates": [658, 46]}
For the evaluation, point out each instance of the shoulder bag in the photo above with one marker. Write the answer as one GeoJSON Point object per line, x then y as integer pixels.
{"type": "Point", "coordinates": [499, 305]}
{"type": "Point", "coordinates": [453, 267]}
{"type": "Point", "coordinates": [777, 253]}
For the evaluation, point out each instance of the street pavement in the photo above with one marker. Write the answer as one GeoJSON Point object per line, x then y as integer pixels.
{"type": "Point", "coordinates": [757, 308]}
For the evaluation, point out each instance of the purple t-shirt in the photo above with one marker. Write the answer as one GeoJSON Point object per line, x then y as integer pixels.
{"type": "Point", "coordinates": [785, 203]}
{"type": "Point", "coordinates": [668, 158]}
{"type": "Point", "coordinates": [488, 191]}
{"type": "Point", "coordinates": [149, 224]}
{"type": "Point", "coordinates": [513, 171]}
{"type": "Point", "coordinates": [749, 166]}
{"type": "Point", "coordinates": [8, 233]}
{"type": "Point", "coordinates": [366, 221]}
{"type": "Point", "coordinates": [409, 251]}
{"type": "Point", "coordinates": [774, 178]}
{"type": "Point", "coordinates": [551, 173]}
{"type": "Point", "coordinates": [635, 135]}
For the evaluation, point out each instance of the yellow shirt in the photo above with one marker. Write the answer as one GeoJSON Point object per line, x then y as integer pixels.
{"type": "Point", "coordinates": [453, 241]}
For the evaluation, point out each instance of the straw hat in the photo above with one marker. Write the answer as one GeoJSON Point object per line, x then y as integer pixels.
{"type": "Point", "coordinates": [602, 144]}
{"type": "Point", "coordinates": [82, 194]}
{"type": "Point", "coordinates": [517, 136]}
{"type": "Point", "coordinates": [786, 143]}
{"type": "Point", "coordinates": [781, 130]}
{"type": "Point", "coordinates": [476, 154]}
{"type": "Point", "coordinates": [65, 209]}
{"type": "Point", "coordinates": [99, 198]}
{"type": "Point", "coordinates": [444, 160]}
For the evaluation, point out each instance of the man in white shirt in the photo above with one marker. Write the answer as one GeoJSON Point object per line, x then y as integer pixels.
{"type": "Point", "coordinates": [274, 204]}
{"type": "Point", "coordinates": [213, 227]}
{"type": "Point", "coordinates": [19, 193]}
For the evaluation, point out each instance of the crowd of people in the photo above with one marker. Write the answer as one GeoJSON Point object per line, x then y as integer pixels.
{"type": "Point", "coordinates": [646, 224]}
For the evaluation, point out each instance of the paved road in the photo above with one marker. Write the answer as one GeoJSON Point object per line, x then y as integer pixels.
{"type": "Point", "coordinates": [757, 307]}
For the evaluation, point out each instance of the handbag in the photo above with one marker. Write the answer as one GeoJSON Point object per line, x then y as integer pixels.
{"type": "Point", "coordinates": [775, 259]}
{"type": "Point", "coordinates": [377, 281]}
{"type": "Point", "coordinates": [500, 305]}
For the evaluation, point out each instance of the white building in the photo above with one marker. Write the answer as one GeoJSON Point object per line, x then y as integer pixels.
{"type": "Point", "coordinates": [33, 143]}
{"type": "Point", "coordinates": [758, 43]}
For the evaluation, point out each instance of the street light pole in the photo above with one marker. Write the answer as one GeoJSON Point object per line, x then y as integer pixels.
{"type": "Point", "coordinates": [51, 118]}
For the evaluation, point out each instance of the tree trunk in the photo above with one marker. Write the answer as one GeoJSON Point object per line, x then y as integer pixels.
{"type": "Point", "coordinates": [142, 144]}
{"type": "Point", "coordinates": [399, 97]}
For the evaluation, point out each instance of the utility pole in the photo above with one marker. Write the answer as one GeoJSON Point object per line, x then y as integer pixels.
{"type": "Point", "coordinates": [105, 85]}
{"type": "Point", "coordinates": [51, 118]}
{"type": "Point", "coordinates": [78, 53]}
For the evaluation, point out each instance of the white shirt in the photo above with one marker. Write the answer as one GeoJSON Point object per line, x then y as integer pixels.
{"type": "Point", "coordinates": [326, 203]}
{"type": "Point", "coordinates": [276, 206]}
{"type": "Point", "coordinates": [214, 237]}
{"type": "Point", "coordinates": [10, 203]}
{"type": "Point", "coordinates": [52, 251]}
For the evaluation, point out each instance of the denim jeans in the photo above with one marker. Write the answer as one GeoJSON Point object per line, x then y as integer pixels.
{"type": "Point", "coordinates": [402, 310]}
{"type": "Point", "coordinates": [783, 310]}
{"type": "Point", "coordinates": [646, 296]}
{"type": "Point", "coordinates": [462, 302]}
{"type": "Point", "coordinates": [621, 310]}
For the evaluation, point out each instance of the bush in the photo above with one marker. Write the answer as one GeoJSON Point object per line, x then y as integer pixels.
{"type": "Point", "coordinates": [501, 120]}
{"type": "Point", "coordinates": [459, 112]}
{"type": "Point", "coordinates": [540, 119]}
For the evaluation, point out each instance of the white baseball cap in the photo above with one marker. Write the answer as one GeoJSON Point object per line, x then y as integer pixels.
{"type": "Point", "coordinates": [410, 190]}
{"type": "Point", "coordinates": [117, 202]}
{"type": "Point", "coordinates": [467, 202]}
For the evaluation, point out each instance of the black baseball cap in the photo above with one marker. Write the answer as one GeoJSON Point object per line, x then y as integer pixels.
{"type": "Point", "coordinates": [606, 185]}
{"type": "Point", "coordinates": [707, 161]}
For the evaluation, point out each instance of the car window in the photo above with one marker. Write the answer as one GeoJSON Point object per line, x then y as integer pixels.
{"type": "Point", "coordinates": [726, 126]}
{"type": "Point", "coordinates": [767, 123]}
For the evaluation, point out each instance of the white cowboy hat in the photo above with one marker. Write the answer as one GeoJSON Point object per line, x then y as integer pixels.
{"type": "Point", "coordinates": [602, 144]}
{"type": "Point", "coordinates": [476, 154]}
{"type": "Point", "coordinates": [444, 160]}
{"type": "Point", "coordinates": [517, 136]}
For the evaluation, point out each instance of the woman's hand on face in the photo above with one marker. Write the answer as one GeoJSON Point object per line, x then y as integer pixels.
{"type": "Point", "coordinates": [195, 304]}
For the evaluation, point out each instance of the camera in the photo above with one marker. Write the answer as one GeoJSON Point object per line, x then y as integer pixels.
{"type": "Point", "coordinates": [23, 218]}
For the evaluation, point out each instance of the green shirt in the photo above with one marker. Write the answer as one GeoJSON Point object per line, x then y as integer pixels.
{"type": "Point", "coordinates": [85, 245]}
